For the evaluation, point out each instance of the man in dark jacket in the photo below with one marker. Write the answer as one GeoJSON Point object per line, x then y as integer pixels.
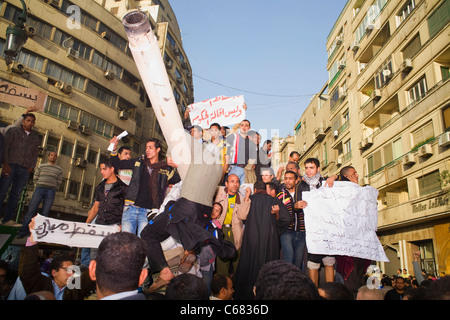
{"type": "Point", "coordinates": [19, 159]}
{"type": "Point", "coordinates": [109, 197]}
{"type": "Point", "coordinates": [60, 272]}
{"type": "Point", "coordinates": [266, 220]}
{"type": "Point", "coordinates": [148, 186]}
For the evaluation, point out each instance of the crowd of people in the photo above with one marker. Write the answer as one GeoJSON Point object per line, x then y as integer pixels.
{"type": "Point", "coordinates": [240, 224]}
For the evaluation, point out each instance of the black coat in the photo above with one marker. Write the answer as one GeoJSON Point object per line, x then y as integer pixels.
{"type": "Point", "coordinates": [111, 205]}
{"type": "Point", "coordinates": [260, 243]}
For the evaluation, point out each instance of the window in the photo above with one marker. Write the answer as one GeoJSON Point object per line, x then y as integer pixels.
{"type": "Point", "coordinates": [105, 64]}
{"type": "Point", "coordinates": [374, 162]}
{"type": "Point", "coordinates": [92, 157]}
{"type": "Point", "coordinates": [392, 151]}
{"type": "Point", "coordinates": [65, 75]}
{"type": "Point", "coordinates": [61, 110]}
{"type": "Point", "coordinates": [348, 150]}
{"type": "Point", "coordinates": [423, 134]}
{"type": "Point", "coordinates": [104, 95]}
{"type": "Point", "coordinates": [80, 152]}
{"type": "Point", "coordinates": [67, 148]}
{"type": "Point", "coordinates": [439, 18]}
{"type": "Point", "coordinates": [446, 117]}
{"type": "Point", "coordinates": [86, 192]}
{"type": "Point", "coordinates": [371, 16]}
{"type": "Point", "coordinates": [116, 40]}
{"type": "Point", "coordinates": [52, 144]}
{"type": "Point", "coordinates": [418, 90]}
{"type": "Point", "coordinates": [67, 41]}
{"type": "Point", "coordinates": [406, 11]}
{"type": "Point", "coordinates": [412, 48]}
{"type": "Point", "coordinates": [429, 183]}
{"type": "Point", "coordinates": [74, 186]}
{"type": "Point", "coordinates": [31, 60]}
{"type": "Point", "coordinates": [384, 74]}
{"type": "Point", "coordinates": [86, 19]}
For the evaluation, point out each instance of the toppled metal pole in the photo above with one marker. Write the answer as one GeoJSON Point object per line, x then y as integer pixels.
{"type": "Point", "coordinates": [149, 61]}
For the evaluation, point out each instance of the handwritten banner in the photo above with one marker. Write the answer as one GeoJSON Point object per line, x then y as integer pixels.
{"type": "Point", "coordinates": [223, 110]}
{"type": "Point", "coordinates": [342, 220]}
{"type": "Point", "coordinates": [70, 233]}
{"type": "Point", "coordinates": [21, 96]}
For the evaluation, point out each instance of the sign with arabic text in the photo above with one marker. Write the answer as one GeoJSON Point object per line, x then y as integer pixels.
{"type": "Point", "coordinates": [22, 96]}
{"type": "Point", "coordinates": [222, 110]}
{"type": "Point", "coordinates": [342, 220]}
{"type": "Point", "coordinates": [70, 233]}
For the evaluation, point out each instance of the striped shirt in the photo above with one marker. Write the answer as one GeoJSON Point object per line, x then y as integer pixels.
{"type": "Point", "coordinates": [297, 216]}
{"type": "Point", "coordinates": [48, 176]}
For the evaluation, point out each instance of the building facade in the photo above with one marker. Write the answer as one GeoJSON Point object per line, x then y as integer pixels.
{"type": "Point", "coordinates": [77, 52]}
{"type": "Point", "coordinates": [385, 110]}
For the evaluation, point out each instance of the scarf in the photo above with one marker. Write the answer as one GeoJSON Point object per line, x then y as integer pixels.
{"type": "Point", "coordinates": [312, 181]}
{"type": "Point", "coordinates": [153, 187]}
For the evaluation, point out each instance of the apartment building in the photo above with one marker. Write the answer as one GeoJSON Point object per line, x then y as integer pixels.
{"type": "Point", "coordinates": [385, 110]}
{"type": "Point", "coordinates": [77, 52]}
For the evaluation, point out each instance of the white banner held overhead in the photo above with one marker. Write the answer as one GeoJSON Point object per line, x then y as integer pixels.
{"type": "Point", "coordinates": [342, 220]}
{"type": "Point", "coordinates": [70, 233]}
{"type": "Point", "coordinates": [222, 110]}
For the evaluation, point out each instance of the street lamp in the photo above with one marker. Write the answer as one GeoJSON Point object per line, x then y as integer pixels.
{"type": "Point", "coordinates": [16, 37]}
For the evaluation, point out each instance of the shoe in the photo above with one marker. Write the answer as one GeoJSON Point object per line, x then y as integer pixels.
{"type": "Point", "coordinates": [157, 285]}
{"type": "Point", "coordinates": [12, 223]}
{"type": "Point", "coordinates": [187, 262]}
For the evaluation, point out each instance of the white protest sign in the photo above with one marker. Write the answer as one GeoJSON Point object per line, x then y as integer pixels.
{"type": "Point", "coordinates": [342, 220]}
{"type": "Point", "coordinates": [70, 233]}
{"type": "Point", "coordinates": [223, 110]}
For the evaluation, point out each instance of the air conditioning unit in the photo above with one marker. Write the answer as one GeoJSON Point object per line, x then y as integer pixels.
{"type": "Point", "coordinates": [335, 133]}
{"type": "Point", "coordinates": [342, 93]}
{"type": "Point", "coordinates": [407, 65]}
{"type": "Point", "coordinates": [341, 64]}
{"type": "Point", "coordinates": [425, 150]}
{"type": "Point", "coordinates": [81, 163]}
{"type": "Point", "coordinates": [64, 87]}
{"type": "Point", "coordinates": [18, 68]}
{"type": "Point", "coordinates": [339, 160]}
{"type": "Point", "coordinates": [362, 144]}
{"type": "Point", "coordinates": [73, 125]}
{"type": "Point", "coordinates": [376, 94]}
{"type": "Point", "coordinates": [444, 139]}
{"type": "Point", "coordinates": [369, 141]}
{"type": "Point", "coordinates": [30, 31]}
{"type": "Point", "coordinates": [72, 53]}
{"type": "Point", "coordinates": [408, 159]}
{"type": "Point", "coordinates": [387, 73]}
{"type": "Point", "coordinates": [366, 181]}
{"type": "Point", "coordinates": [86, 130]}
{"type": "Point", "coordinates": [110, 75]}
{"type": "Point", "coordinates": [370, 27]}
{"type": "Point", "coordinates": [105, 35]}
{"type": "Point", "coordinates": [355, 46]}
{"type": "Point", "coordinates": [123, 115]}
{"type": "Point", "coordinates": [339, 40]}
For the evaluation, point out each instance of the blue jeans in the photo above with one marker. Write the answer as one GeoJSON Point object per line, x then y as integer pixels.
{"type": "Point", "coordinates": [293, 244]}
{"type": "Point", "coordinates": [18, 179]}
{"type": "Point", "coordinates": [39, 194]}
{"type": "Point", "coordinates": [134, 218]}
{"type": "Point", "coordinates": [239, 171]}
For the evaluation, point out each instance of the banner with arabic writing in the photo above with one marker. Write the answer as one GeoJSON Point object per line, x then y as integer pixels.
{"type": "Point", "coordinates": [22, 96]}
{"type": "Point", "coordinates": [223, 110]}
{"type": "Point", "coordinates": [70, 233]}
